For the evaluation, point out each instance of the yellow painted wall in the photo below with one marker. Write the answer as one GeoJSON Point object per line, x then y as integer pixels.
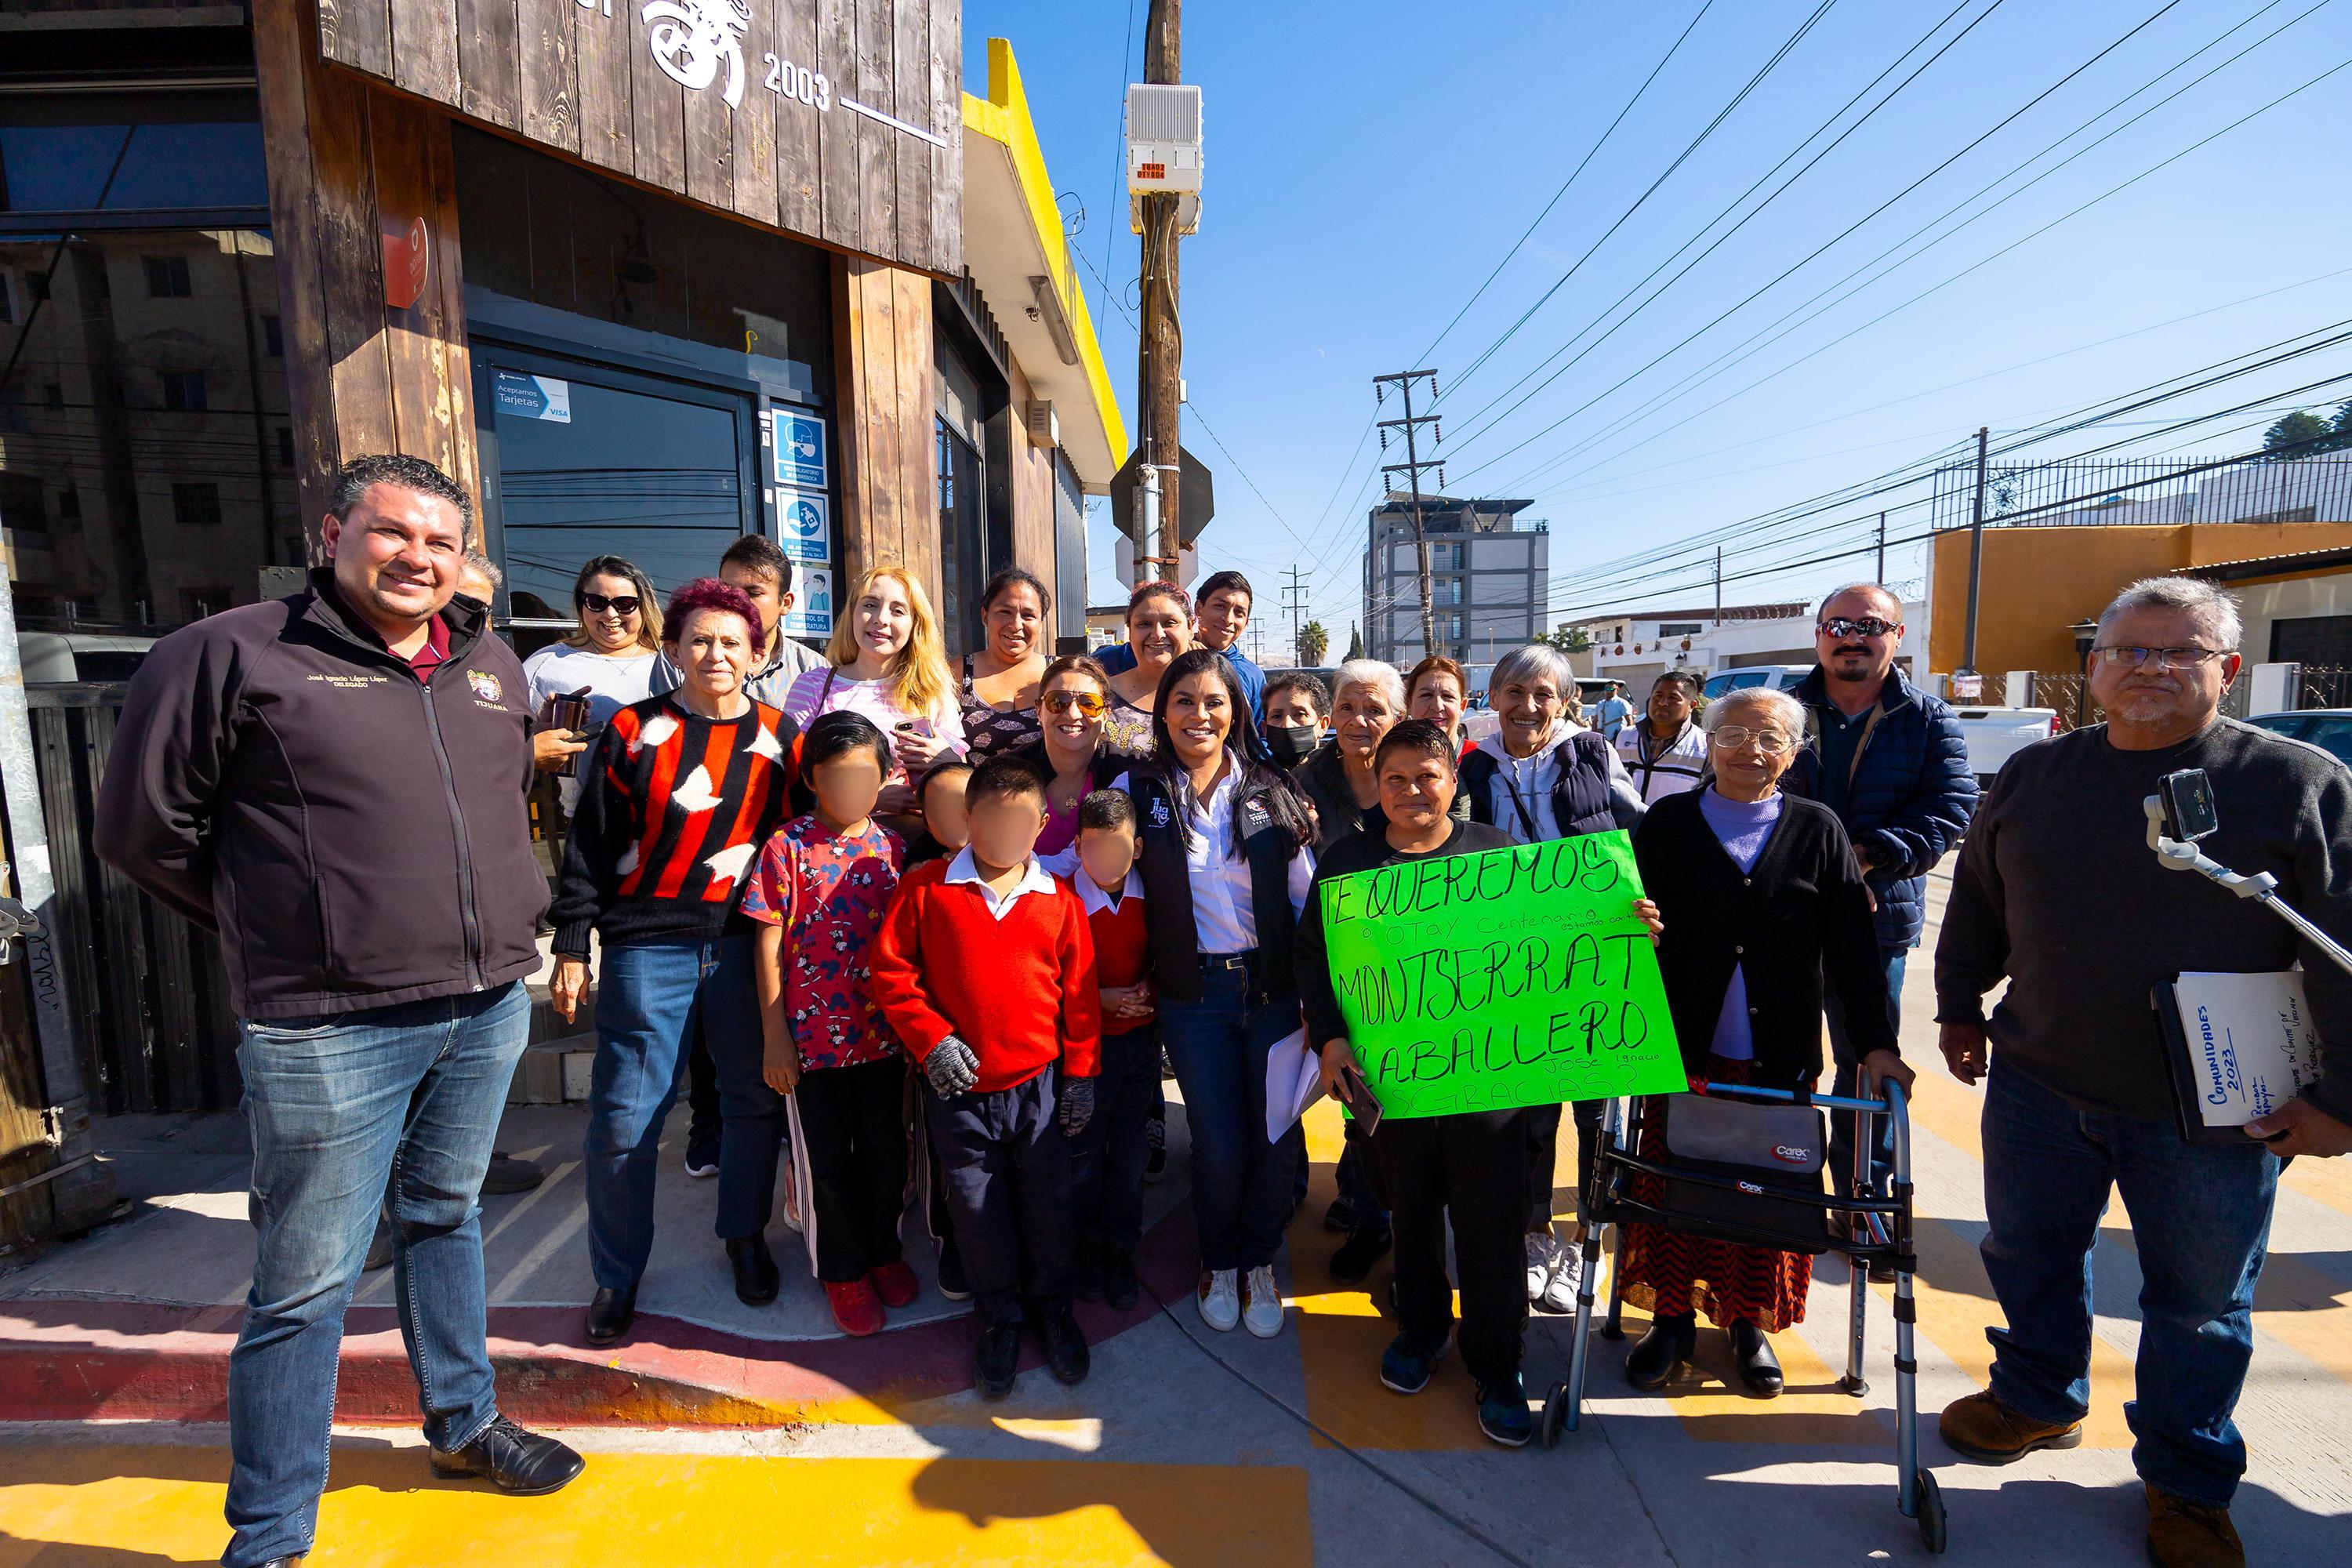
{"type": "Point", "coordinates": [2038, 582]}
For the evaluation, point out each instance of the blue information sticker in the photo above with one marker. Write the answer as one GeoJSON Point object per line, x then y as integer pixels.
{"type": "Point", "coordinates": [531, 396]}
{"type": "Point", "coordinates": [800, 448]}
{"type": "Point", "coordinates": [803, 521]}
{"type": "Point", "coordinates": [811, 612]}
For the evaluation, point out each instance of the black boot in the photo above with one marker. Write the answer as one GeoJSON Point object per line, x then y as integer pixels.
{"type": "Point", "coordinates": [521, 1462]}
{"type": "Point", "coordinates": [610, 1315]}
{"type": "Point", "coordinates": [996, 1359]}
{"type": "Point", "coordinates": [1352, 1264]}
{"type": "Point", "coordinates": [755, 1269]}
{"type": "Point", "coordinates": [1760, 1369]}
{"type": "Point", "coordinates": [1120, 1287]}
{"type": "Point", "coordinates": [1066, 1355]}
{"type": "Point", "coordinates": [1661, 1352]}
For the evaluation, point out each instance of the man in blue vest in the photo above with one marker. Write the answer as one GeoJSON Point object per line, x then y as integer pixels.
{"type": "Point", "coordinates": [1890, 760]}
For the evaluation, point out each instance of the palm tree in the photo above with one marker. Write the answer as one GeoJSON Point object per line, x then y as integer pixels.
{"type": "Point", "coordinates": [1314, 642]}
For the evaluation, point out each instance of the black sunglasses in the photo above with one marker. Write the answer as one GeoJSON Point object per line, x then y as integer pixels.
{"type": "Point", "coordinates": [619, 604]}
{"type": "Point", "coordinates": [1868, 626]}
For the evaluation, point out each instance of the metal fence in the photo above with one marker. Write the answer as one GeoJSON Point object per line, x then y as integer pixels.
{"type": "Point", "coordinates": [2147, 492]}
{"type": "Point", "coordinates": [2325, 686]}
{"type": "Point", "coordinates": [150, 1015]}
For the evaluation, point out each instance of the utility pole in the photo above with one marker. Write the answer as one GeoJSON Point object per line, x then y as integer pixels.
{"type": "Point", "coordinates": [1880, 578]}
{"type": "Point", "coordinates": [1976, 556]}
{"type": "Point", "coordinates": [1293, 604]}
{"type": "Point", "coordinates": [1719, 584]}
{"type": "Point", "coordinates": [1412, 467]}
{"type": "Point", "coordinates": [1161, 346]}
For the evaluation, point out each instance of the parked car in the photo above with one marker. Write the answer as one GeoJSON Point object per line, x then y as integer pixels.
{"type": "Point", "coordinates": [2329, 729]}
{"type": "Point", "coordinates": [53, 656]}
{"type": "Point", "coordinates": [1771, 676]}
{"type": "Point", "coordinates": [1994, 734]}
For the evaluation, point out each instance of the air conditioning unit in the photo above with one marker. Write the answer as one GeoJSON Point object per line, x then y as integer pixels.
{"type": "Point", "coordinates": [1045, 424]}
{"type": "Point", "coordinates": [1163, 138]}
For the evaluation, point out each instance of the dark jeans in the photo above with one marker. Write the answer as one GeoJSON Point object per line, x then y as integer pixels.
{"type": "Point", "coordinates": [1466, 1168]}
{"type": "Point", "coordinates": [1107, 1159]}
{"type": "Point", "coordinates": [706, 1106]}
{"type": "Point", "coordinates": [1006, 1165]}
{"type": "Point", "coordinates": [647, 1005]}
{"type": "Point", "coordinates": [1542, 1135]}
{"type": "Point", "coordinates": [341, 1108]}
{"type": "Point", "coordinates": [2201, 1215]}
{"type": "Point", "coordinates": [853, 1133]}
{"type": "Point", "coordinates": [1359, 1179]}
{"type": "Point", "coordinates": [1881, 1153]}
{"type": "Point", "coordinates": [1241, 1182]}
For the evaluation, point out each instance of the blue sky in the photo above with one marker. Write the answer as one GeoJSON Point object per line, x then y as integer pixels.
{"type": "Point", "coordinates": [1369, 166]}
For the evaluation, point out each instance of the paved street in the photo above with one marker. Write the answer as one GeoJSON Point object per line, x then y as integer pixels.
{"type": "Point", "coordinates": [1190, 1447]}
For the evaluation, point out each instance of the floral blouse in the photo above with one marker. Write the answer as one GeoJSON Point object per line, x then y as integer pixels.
{"type": "Point", "coordinates": [829, 893]}
{"type": "Point", "coordinates": [990, 731]}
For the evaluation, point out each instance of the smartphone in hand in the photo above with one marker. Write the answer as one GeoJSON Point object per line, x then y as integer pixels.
{"type": "Point", "coordinates": [1358, 1096]}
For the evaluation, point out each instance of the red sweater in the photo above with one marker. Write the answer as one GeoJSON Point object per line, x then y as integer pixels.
{"type": "Point", "coordinates": [1122, 956]}
{"type": "Point", "coordinates": [1021, 992]}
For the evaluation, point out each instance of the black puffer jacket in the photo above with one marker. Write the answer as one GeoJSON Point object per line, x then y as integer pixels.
{"type": "Point", "coordinates": [357, 839]}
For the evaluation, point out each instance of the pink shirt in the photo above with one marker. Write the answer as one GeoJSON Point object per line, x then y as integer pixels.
{"type": "Point", "coordinates": [876, 701]}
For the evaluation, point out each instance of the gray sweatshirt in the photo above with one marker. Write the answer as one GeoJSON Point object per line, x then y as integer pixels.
{"type": "Point", "coordinates": [2057, 890]}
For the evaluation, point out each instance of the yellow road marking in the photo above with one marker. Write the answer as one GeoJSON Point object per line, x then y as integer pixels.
{"type": "Point", "coordinates": [162, 1504]}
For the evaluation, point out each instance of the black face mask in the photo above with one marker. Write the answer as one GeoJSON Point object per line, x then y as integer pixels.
{"type": "Point", "coordinates": [1290, 743]}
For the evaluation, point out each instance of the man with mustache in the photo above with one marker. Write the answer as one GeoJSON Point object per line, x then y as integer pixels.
{"type": "Point", "coordinates": [1890, 760]}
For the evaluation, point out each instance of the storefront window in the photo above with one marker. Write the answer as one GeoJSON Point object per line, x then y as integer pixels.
{"type": "Point", "coordinates": [542, 230]}
{"type": "Point", "coordinates": [146, 471]}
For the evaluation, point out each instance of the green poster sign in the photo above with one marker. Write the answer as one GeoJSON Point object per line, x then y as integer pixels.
{"type": "Point", "coordinates": [1517, 976]}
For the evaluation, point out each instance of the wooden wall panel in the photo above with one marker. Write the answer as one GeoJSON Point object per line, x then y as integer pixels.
{"type": "Point", "coordinates": [913, 480]}
{"type": "Point", "coordinates": [585, 79]}
{"type": "Point", "coordinates": [549, 102]}
{"type": "Point", "coordinates": [885, 402]}
{"type": "Point", "coordinates": [345, 160]}
{"type": "Point", "coordinates": [1031, 488]}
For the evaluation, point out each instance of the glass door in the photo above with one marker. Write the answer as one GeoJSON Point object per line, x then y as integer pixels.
{"type": "Point", "coordinates": [580, 460]}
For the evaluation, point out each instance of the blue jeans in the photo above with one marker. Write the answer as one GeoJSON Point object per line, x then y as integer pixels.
{"type": "Point", "coordinates": [354, 1113]}
{"type": "Point", "coordinates": [1882, 1152]}
{"type": "Point", "coordinates": [647, 1004]}
{"type": "Point", "coordinates": [1241, 1182]}
{"type": "Point", "coordinates": [2201, 1215]}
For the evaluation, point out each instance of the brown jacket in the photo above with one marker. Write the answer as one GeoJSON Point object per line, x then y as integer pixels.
{"type": "Point", "coordinates": [359, 839]}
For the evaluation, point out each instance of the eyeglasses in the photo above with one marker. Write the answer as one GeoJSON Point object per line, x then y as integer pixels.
{"type": "Point", "coordinates": [1086, 702]}
{"type": "Point", "coordinates": [622, 605]}
{"type": "Point", "coordinates": [1772, 742]}
{"type": "Point", "coordinates": [2159, 659]}
{"type": "Point", "coordinates": [1868, 626]}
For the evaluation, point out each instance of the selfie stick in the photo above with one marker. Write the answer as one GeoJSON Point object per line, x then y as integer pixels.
{"type": "Point", "coordinates": [2261, 887]}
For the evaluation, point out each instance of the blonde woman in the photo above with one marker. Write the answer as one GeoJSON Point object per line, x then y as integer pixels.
{"type": "Point", "coordinates": [888, 661]}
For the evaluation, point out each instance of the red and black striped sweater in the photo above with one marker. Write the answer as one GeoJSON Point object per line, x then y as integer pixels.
{"type": "Point", "coordinates": [670, 820]}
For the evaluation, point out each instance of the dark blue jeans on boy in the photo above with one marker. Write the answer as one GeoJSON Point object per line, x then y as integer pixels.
{"type": "Point", "coordinates": [2200, 1217]}
{"type": "Point", "coordinates": [1107, 1159]}
{"type": "Point", "coordinates": [1005, 1163]}
{"type": "Point", "coordinates": [649, 1001]}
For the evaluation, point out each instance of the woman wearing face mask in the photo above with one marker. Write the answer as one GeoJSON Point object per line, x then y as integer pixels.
{"type": "Point", "coordinates": [1541, 777]}
{"type": "Point", "coordinates": [1227, 864]}
{"type": "Point", "coordinates": [1367, 700]}
{"type": "Point", "coordinates": [999, 697]}
{"type": "Point", "coordinates": [1295, 706]}
{"type": "Point", "coordinates": [888, 662]}
{"type": "Point", "coordinates": [1159, 628]}
{"type": "Point", "coordinates": [683, 791]}
{"type": "Point", "coordinates": [1072, 700]}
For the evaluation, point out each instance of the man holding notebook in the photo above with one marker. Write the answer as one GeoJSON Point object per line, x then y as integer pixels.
{"type": "Point", "coordinates": [2057, 892]}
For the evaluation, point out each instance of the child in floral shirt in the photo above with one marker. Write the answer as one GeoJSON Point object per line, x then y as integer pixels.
{"type": "Point", "coordinates": [819, 892]}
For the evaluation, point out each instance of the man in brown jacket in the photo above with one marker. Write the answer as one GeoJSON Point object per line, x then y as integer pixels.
{"type": "Point", "coordinates": [334, 782]}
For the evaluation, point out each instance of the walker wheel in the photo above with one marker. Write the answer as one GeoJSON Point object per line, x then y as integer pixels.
{"type": "Point", "coordinates": [1931, 1512]}
{"type": "Point", "coordinates": [1555, 1413]}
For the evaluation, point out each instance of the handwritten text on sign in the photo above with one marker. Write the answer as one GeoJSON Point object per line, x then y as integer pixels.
{"type": "Point", "coordinates": [1514, 977]}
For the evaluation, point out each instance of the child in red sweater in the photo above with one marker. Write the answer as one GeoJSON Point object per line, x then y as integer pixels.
{"type": "Point", "coordinates": [985, 969]}
{"type": "Point", "coordinates": [1110, 1155]}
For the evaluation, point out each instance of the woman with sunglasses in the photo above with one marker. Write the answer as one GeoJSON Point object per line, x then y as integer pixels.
{"type": "Point", "coordinates": [1072, 752]}
{"type": "Point", "coordinates": [609, 660]}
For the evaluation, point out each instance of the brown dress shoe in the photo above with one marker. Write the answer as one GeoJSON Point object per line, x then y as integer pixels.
{"type": "Point", "coordinates": [2184, 1534]}
{"type": "Point", "coordinates": [1982, 1428]}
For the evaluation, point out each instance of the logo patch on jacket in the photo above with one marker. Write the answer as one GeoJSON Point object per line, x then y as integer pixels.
{"type": "Point", "coordinates": [485, 685]}
{"type": "Point", "coordinates": [1160, 813]}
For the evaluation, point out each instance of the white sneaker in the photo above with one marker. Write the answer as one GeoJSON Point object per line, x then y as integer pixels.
{"type": "Point", "coordinates": [1541, 1246]}
{"type": "Point", "coordinates": [1264, 1312]}
{"type": "Point", "coordinates": [1559, 1296]}
{"type": "Point", "coordinates": [1221, 1304]}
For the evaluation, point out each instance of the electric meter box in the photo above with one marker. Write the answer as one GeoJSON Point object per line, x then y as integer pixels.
{"type": "Point", "coordinates": [1163, 138]}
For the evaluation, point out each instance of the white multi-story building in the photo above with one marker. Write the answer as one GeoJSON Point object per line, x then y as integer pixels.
{"type": "Point", "coordinates": [1489, 589]}
{"type": "Point", "coordinates": [1637, 646]}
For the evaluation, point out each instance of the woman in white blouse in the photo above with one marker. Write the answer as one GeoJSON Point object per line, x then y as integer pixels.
{"type": "Point", "coordinates": [888, 662]}
{"type": "Point", "coordinates": [1226, 867]}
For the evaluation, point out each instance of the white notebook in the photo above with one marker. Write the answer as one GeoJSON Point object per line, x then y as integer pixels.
{"type": "Point", "coordinates": [2251, 1045]}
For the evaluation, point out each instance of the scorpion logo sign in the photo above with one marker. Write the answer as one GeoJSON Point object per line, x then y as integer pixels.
{"type": "Point", "coordinates": [691, 39]}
